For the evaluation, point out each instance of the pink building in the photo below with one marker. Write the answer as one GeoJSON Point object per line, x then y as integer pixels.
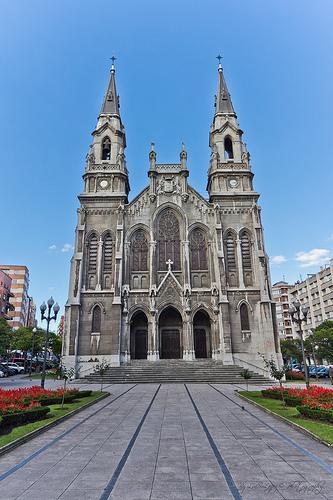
{"type": "Point", "coordinates": [20, 300]}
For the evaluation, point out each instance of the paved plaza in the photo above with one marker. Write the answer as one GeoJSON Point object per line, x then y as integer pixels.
{"type": "Point", "coordinates": [169, 441]}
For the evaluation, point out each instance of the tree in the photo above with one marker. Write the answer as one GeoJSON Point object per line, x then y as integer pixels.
{"type": "Point", "coordinates": [55, 343]}
{"type": "Point", "coordinates": [291, 348]}
{"type": "Point", "coordinates": [101, 369]}
{"type": "Point", "coordinates": [274, 371]}
{"type": "Point", "coordinates": [5, 337]}
{"type": "Point", "coordinates": [65, 374]}
{"type": "Point", "coordinates": [322, 339]}
{"type": "Point", "coordinates": [22, 339]}
{"type": "Point", "coordinates": [247, 375]}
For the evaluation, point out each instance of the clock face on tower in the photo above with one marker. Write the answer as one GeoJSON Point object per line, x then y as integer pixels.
{"type": "Point", "coordinates": [233, 183]}
{"type": "Point", "coordinates": [103, 183]}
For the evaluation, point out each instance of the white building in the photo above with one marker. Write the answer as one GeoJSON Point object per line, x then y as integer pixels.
{"type": "Point", "coordinates": [317, 293]}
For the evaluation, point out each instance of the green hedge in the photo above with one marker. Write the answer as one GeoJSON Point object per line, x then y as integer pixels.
{"type": "Point", "coordinates": [84, 394]}
{"type": "Point", "coordinates": [24, 417]}
{"type": "Point", "coordinates": [55, 400]}
{"type": "Point", "coordinates": [326, 415]}
{"type": "Point", "coordinates": [268, 393]}
{"type": "Point", "coordinates": [293, 401]}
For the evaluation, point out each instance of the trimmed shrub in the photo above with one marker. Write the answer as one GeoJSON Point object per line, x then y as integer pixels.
{"type": "Point", "coordinates": [84, 394]}
{"type": "Point", "coordinates": [316, 414]}
{"type": "Point", "coordinates": [292, 401]}
{"type": "Point", "coordinates": [69, 398]}
{"type": "Point", "coordinates": [24, 417]}
{"type": "Point", "coordinates": [274, 393]}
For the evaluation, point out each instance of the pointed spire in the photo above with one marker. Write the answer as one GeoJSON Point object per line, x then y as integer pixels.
{"type": "Point", "coordinates": [223, 100]}
{"type": "Point", "coordinates": [111, 99]}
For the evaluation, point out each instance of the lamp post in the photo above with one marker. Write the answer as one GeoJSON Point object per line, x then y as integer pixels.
{"type": "Point", "coordinates": [295, 311]}
{"type": "Point", "coordinates": [34, 330]}
{"type": "Point", "coordinates": [48, 318]}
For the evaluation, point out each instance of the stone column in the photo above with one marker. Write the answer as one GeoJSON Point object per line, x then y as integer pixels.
{"type": "Point", "coordinates": [188, 345]}
{"type": "Point", "coordinates": [186, 256]}
{"type": "Point", "coordinates": [99, 264]}
{"type": "Point", "coordinates": [240, 264]}
{"type": "Point", "coordinates": [149, 340]}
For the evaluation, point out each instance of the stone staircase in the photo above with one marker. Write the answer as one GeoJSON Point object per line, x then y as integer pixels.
{"type": "Point", "coordinates": [176, 371]}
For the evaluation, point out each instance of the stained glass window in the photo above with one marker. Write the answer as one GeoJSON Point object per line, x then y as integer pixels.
{"type": "Point", "coordinates": [139, 251]}
{"type": "Point", "coordinates": [168, 240]}
{"type": "Point", "coordinates": [198, 249]}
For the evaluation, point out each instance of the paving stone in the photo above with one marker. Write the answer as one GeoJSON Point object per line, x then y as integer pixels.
{"type": "Point", "coordinates": [172, 457]}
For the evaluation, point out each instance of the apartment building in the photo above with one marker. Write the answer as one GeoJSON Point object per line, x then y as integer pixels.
{"type": "Point", "coordinates": [20, 299]}
{"type": "Point", "coordinates": [281, 297]}
{"type": "Point", "coordinates": [5, 295]}
{"type": "Point", "coordinates": [317, 293]}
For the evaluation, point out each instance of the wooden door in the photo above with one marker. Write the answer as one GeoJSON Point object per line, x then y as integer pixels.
{"type": "Point", "coordinates": [141, 344]}
{"type": "Point", "coordinates": [171, 344]}
{"type": "Point", "coordinates": [200, 344]}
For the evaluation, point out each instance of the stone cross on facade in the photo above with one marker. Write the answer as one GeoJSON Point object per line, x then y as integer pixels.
{"type": "Point", "coordinates": [169, 264]}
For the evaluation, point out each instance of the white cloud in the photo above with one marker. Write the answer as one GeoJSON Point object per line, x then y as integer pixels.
{"type": "Point", "coordinates": [67, 247]}
{"type": "Point", "coordinates": [52, 247]}
{"type": "Point", "coordinates": [278, 259]}
{"type": "Point", "coordinates": [315, 257]}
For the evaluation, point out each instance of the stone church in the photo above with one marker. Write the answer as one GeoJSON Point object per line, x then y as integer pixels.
{"type": "Point", "coordinates": [169, 274]}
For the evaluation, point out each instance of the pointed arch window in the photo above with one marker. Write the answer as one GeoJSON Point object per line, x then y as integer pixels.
{"type": "Point", "coordinates": [230, 243]}
{"type": "Point", "coordinates": [107, 253]}
{"type": "Point", "coordinates": [106, 149]}
{"type": "Point", "coordinates": [96, 320]}
{"type": "Point", "coordinates": [92, 253]}
{"type": "Point", "coordinates": [198, 250]}
{"type": "Point", "coordinates": [228, 149]}
{"type": "Point", "coordinates": [168, 240]}
{"type": "Point", "coordinates": [246, 251]}
{"type": "Point", "coordinates": [139, 251]}
{"type": "Point", "coordinates": [244, 317]}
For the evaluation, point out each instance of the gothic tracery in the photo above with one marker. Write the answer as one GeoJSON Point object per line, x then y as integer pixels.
{"type": "Point", "coordinates": [168, 240]}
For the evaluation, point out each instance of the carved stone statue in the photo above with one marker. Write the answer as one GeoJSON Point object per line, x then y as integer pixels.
{"type": "Point", "coordinates": [152, 300]}
{"type": "Point", "coordinates": [187, 300]}
{"type": "Point", "coordinates": [215, 299]}
{"type": "Point", "coordinates": [125, 299]}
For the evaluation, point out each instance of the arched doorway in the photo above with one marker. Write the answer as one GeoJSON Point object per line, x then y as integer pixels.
{"type": "Point", "coordinates": [139, 336]}
{"type": "Point", "coordinates": [170, 328]}
{"type": "Point", "coordinates": [201, 334]}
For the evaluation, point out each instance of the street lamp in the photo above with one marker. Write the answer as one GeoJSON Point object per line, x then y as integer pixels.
{"type": "Point", "coordinates": [34, 330]}
{"type": "Point", "coordinates": [49, 318]}
{"type": "Point", "coordinates": [295, 311]}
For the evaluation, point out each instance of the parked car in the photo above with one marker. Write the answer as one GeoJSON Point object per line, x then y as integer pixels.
{"type": "Point", "coordinates": [1, 374]}
{"type": "Point", "coordinates": [15, 366]}
{"type": "Point", "coordinates": [7, 370]}
{"type": "Point", "coordinates": [322, 371]}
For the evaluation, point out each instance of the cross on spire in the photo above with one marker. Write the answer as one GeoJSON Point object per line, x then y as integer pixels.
{"type": "Point", "coordinates": [169, 264]}
{"type": "Point", "coordinates": [219, 57]}
{"type": "Point", "coordinates": [113, 59]}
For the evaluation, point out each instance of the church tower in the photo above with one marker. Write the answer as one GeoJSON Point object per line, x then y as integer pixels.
{"type": "Point", "coordinates": [245, 276]}
{"type": "Point", "coordinates": [169, 274]}
{"type": "Point", "coordinates": [96, 267]}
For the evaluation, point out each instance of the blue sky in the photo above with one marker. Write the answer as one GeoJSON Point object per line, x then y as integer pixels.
{"type": "Point", "coordinates": [54, 63]}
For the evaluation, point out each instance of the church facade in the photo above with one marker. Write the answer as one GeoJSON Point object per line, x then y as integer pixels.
{"type": "Point", "coordinates": [170, 274]}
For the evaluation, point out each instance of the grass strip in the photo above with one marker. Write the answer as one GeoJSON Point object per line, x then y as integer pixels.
{"type": "Point", "coordinates": [24, 432]}
{"type": "Point", "coordinates": [314, 428]}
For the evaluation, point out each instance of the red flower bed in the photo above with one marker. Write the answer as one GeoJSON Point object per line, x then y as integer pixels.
{"type": "Point", "coordinates": [19, 400]}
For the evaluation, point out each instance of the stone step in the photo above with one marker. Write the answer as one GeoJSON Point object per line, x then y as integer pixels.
{"type": "Point", "coordinates": [176, 371]}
